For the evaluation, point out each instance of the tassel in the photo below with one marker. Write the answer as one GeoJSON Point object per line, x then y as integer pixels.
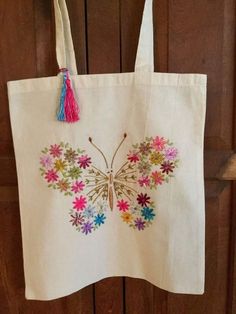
{"type": "Point", "coordinates": [69, 109]}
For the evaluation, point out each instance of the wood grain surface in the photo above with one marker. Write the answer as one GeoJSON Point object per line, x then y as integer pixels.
{"type": "Point", "coordinates": [190, 36]}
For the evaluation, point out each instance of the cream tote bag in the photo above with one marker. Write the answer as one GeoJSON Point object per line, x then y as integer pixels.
{"type": "Point", "coordinates": [119, 192]}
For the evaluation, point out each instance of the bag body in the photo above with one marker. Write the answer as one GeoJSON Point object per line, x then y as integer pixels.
{"type": "Point", "coordinates": [119, 193]}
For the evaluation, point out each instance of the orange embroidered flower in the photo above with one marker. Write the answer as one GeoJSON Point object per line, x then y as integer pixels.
{"type": "Point", "coordinates": [127, 217]}
{"type": "Point", "coordinates": [157, 177]}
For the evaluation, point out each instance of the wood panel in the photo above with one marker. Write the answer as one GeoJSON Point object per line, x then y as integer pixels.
{"type": "Point", "coordinates": [103, 36]}
{"type": "Point", "coordinates": [190, 36]}
{"type": "Point", "coordinates": [200, 37]}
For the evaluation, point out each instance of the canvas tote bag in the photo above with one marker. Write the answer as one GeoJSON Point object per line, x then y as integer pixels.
{"type": "Point", "coordinates": [119, 192]}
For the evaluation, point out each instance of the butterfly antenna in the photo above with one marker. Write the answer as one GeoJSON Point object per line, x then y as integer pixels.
{"type": "Point", "coordinates": [91, 141]}
{"type": "Point", "coordinates": [113, 158]}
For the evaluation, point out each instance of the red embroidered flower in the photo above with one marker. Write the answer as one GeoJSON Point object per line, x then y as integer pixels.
{"type": "Point", "coordinates": [51, 176]}
{"type": "Point", "coordinates": [84, 161]}
{"type": "Point", "coordinates": [143, 199]}
{"type": "Point", "coordinates": [78, 186]}
{"type": "Point", "coordinates": [133, 157]}
{"type": "Point", "coordinates": [55, 150]}
{"type": "Point", "coordinates": [77, 219]}
{"type": "Point", "coordinates": [157, 177]}
{"type": "Point", "coordinates": [167, 167]}
{"type": "Point", "coordinates": [123, 205]}
{"type": "Point", "coordinates": [80, 203]}
{"type": "Point", "coordinates": [159, 143]}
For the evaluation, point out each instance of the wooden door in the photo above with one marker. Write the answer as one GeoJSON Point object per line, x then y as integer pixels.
{"type": "Point", "coordinates": [190, 36]}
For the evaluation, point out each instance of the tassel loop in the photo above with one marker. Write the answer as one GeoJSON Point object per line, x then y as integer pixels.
{"type": "Point", "coordinates": [68, 109]}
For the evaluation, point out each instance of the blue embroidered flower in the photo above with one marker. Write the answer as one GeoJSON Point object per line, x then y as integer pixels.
{"type": "Point", "coordinates": [89, 211]}
{"type": "Point", "coordinates": [147, 213]}
{"type": "Point", "coordinates": [99, 219]}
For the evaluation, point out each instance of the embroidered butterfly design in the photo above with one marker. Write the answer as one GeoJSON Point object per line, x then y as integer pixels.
{"type": "Point", "coordinates": [149, 164]}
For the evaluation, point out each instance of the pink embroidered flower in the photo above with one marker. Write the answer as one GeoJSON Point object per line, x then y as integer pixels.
{"type": "Point", "coordinates": [46, 161]}
{"type": "Point", "coordinates": [133, 157]}
{"type": "Point", "coordinates": [80, 203]}
{"type": "Point", "coordinates": [78, 186]}
{"type": "Point", "coordinates": [51, 176]}
{"type": "Point", "coordinates": [55, 150]}
{"type": "Point", "coordinates": [144, 181]}
{"type": "Point", "coordinates": [123, 205]}
{"type": "Point", "coordinates": [157, 177]}
{"type": "Point", "coordinates": [171, 153]}
{"type": "Point", "coordinates": [84, 161]}
{"type": "Point", "coordinates": [159, 143]}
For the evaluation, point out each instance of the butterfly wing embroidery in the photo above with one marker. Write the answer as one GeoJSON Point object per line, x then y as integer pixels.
{"type": "Point", "coordinates": [149, 164]}
{"type": "Point", "coordinates": [71, 172]}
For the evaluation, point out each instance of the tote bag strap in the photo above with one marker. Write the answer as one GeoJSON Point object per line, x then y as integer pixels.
{"type": "Point", "coordinates": [145, 53]}
{"type": "Point", "coordinates": [64, 44]}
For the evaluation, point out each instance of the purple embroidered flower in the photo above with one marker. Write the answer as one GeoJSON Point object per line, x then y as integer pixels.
{"type": "Point", "coordinates": [171, 153]}
{"type": "Point", "coordinates": [139, 223]}
{"type": "Point", "coordinates": [46, 161]}
{"type": "Point", "coordinates": [87, 227]}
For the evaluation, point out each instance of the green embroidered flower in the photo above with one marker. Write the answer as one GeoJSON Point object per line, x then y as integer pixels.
{"type": "Point", "coordinates": [74, 173]}
{"type": "Point", "coordinates": [144, 167]}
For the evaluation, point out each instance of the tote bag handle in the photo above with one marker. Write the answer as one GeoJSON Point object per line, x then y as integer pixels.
{"type": "Point", "coordinates": [64, 44]}
{"type": "Point", "coordinates": [145, 52]}
{"type": "Point", "coordinates": [65, 48]}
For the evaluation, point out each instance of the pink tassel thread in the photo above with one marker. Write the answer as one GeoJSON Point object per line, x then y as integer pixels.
{"type": "Point", "coordinates": [69, 109]}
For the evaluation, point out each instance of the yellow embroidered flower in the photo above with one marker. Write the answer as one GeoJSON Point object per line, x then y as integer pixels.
{"type": "Point", "coordinates": [156, 158]}
{"type": "Point", "coordinates": [127, 217]}
{"type": "Point", "coordinates": [59, 165]}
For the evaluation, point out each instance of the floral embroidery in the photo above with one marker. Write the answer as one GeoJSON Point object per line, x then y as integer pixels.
{"type": "Point", "coordinates": [51, 176]}
{"type": "Point", "coordinates": [158, 143]}
{"type": "Point", "coordinates": [122, 205]}
{"type": "Point", "coordinates": [46, 161]}
{"type": "Point", "coordinates": [55, 150]}
{"type": "Point", "coordinates": [93, 192]}
{"type": "Point", "coordinates": [143, 199]}
{"type": "Point", "coordinates": [78, 186]}
{"type": "Point", "coordinates": [80, 203]}
{"type": "Point", "coordinates": [144, 181]}
{"type": "Point", "coordinates": [84, 161]}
